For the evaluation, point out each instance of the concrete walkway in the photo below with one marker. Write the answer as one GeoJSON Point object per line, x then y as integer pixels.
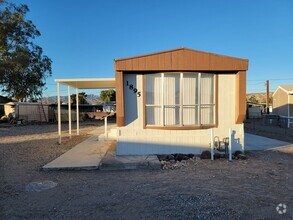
{"type": "Point", "coordinates": [94, 154]}
{"type": "Point", "coordinates": [87, 156]}
{"type": "Point", "coordinates": [255, 142]}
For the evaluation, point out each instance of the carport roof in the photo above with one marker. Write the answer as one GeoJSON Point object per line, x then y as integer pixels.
{"type": "Point", "coordinates": [89, 83]}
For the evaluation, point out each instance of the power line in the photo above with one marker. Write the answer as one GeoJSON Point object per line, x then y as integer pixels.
{"type": "Point", "coordinates": [255, 84]}
{"type": "Point", "coordinates": [252, 80]}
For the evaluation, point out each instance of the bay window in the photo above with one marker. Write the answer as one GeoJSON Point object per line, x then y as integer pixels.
{"type": "Point", "coordinates": [180, 99]}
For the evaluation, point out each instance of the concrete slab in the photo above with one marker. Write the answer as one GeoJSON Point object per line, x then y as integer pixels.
{"type": "Point", "coordinates": [86, 155]}
{"type": "Point", "coordinates": [113, 162]}
{"type": "Point", "coordinates": [100, 130]}
{"type": "Point", "coordinates": [255, 142]}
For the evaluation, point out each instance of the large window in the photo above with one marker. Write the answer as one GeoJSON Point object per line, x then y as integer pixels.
{"type": "Point", "coordinates": [180, 99]}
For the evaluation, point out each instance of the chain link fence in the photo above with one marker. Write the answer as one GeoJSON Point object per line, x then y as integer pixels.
{"type": "Point", "coordinates": [271, 126]}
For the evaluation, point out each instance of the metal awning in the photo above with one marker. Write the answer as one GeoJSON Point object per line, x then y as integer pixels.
{"type": "Point", "coordinates": [89, 83]}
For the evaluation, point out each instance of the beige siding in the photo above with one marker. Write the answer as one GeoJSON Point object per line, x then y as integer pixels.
{"type": "Point", "coordinates": [29, 112]}
{"type": "Point", "coordinates": [280, 102]}
{"type": "Point", "coordinates": [133, 139]}
{"type": "Point", "coordinates": [8, 109]}
{"type": "Point", "coordinates": [33, 113]}
{"type": "Point", "coordinates": [291, 105]}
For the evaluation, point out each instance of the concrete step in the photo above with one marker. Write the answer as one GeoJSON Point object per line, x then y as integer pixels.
{"type": "Point", "coordinates": [112, 162]}
{"type": "Point", "coordinates": [102, 137]}
{"type": "Point", "coordinates": [130, 163]}
{"type": "Point", "coordinates": [112, 135]}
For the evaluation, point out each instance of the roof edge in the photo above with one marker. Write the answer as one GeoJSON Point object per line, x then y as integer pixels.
{"type": "Point", "coordinates": [284, 90]}
{"type": "Point", "coordinates": [290, 92]}
{"type": "Point", "coordinates": [176, 49]}
{"type": "Point", "coordinates": [84, 79]}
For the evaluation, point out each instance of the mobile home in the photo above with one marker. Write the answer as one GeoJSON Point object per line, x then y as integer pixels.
{"type": "Point", "coordinates": [283, 103]}
{"type": "Point", "coordinates": [167, 102]}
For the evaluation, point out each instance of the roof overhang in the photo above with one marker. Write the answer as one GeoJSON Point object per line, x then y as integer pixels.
{"type": "Point", "coordinates": [90, 83]}
{"type": "Point", "coordinates": [182, 59]}
{"type": "Point", "coordinates": [283, 87]}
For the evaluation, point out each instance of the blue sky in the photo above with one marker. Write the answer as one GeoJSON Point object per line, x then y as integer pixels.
{"type": "Point", "coordinates": [84, 37]}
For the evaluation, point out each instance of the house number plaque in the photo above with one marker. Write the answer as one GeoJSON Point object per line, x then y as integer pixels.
{"type": "Point", "coordinates": [135, 90]}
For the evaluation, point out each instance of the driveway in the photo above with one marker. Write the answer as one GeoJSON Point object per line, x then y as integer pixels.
{"type": "Point", "coordinates": [255, 142]}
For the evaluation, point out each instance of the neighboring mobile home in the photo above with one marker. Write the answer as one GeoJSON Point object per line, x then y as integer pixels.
{"type": "Point", "coordinates": [29, 111]}
{"type": "Point", "coordinates": [283, 103]}
{"type": "Point", "coordinates": [166, 102]}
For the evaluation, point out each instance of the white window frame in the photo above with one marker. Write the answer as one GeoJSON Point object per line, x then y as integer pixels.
{"type": "Point", "coordinates": [199, 106]}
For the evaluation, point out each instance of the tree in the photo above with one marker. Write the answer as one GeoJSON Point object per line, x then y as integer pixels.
{"type": "Point", "coordinates": [252, 99]}
{"type": "Point", "coordinates": [108, 95]}
{"type": "Point", "coordinates": [81, 98]}
{"type": "Point", "coordinates": [23, 67]}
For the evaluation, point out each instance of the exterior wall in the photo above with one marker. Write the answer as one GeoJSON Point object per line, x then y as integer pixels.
{"type": "Point", "coordinates": [2, 112]}
{"type": "Point", "coordinates": [119, 99]}
{"type": "Point", "coordinates": [29, 112]}
{"type": "Point", "coordinates": [109, 107]}
{"type": "Point", "coordinates": [254, 112]}
{"type": "Point", "coordinates": [133, 139]}
{"type": "Point", "coordinates": [32, 113]}
{"type": "Point", "coordinates": [240, 98]}
{"type": "Point", "coordinates": [8, 109]}
{"type": "Point", "coordinates": [280, 103]}
{"type": "Point", "coordinates": [291, 105]}
{"type": "Point", "coordinates": [65, 115]}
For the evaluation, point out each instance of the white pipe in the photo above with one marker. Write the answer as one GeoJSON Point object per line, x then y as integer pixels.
{"type": "Point", "coordinates": [181, 99]}
{"type": "Point", "coordinates": [106, 127]}
{"type": "Point", "coordinates": [77, 112]}
{"type": "Point", "coordinates": [212, 144]}
{"type": "Point", "coordinates": [230, 144]}
{"type": "Point", "coordinates": [199, 99]}
{"type": "Point", "coordinates": [69, 111]}
{"type": "Point", "coordinates": [59, 113]}
{"type": "Point", "coordinates": [243, 145]}
{"type": "Point", "coordinates": [162, 99]}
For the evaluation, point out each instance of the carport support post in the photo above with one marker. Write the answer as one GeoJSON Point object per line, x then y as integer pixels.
{"type": "Point", "coordinates": [59, 113]}
{"type": "Point", "coordinates": [230, 144]}
{"type": "Point", "coordinates": [69, 112]}
{"type": "Point", "coordinates": [77, 112]}
{"type": "Point", "coordinates": [212, 144]}
{"type": "Point", "coordinates": [106, 127]}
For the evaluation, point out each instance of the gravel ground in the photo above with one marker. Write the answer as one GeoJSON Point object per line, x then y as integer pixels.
{"type": "Point", "coordinates": [242, 189]}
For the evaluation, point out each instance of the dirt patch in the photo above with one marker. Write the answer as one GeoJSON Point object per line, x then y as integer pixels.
{"type": "Point", "coordinates": [241, 189]}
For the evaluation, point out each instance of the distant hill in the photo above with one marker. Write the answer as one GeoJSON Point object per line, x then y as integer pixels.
{"type": "Point", "coordinates": [91, 99]}
{"type": "Point", "coordinates": [259, 97]}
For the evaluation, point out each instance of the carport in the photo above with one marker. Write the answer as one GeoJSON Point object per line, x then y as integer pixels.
{"type": "Point", "coordinates": [89, 83]}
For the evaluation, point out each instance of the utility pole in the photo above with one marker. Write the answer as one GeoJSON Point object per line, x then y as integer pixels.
{"type": "Point", "coordinates": [268, 97]}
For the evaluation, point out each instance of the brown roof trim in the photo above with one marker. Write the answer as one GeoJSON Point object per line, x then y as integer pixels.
{"type": "Point", "coordinates": [176, 49]}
